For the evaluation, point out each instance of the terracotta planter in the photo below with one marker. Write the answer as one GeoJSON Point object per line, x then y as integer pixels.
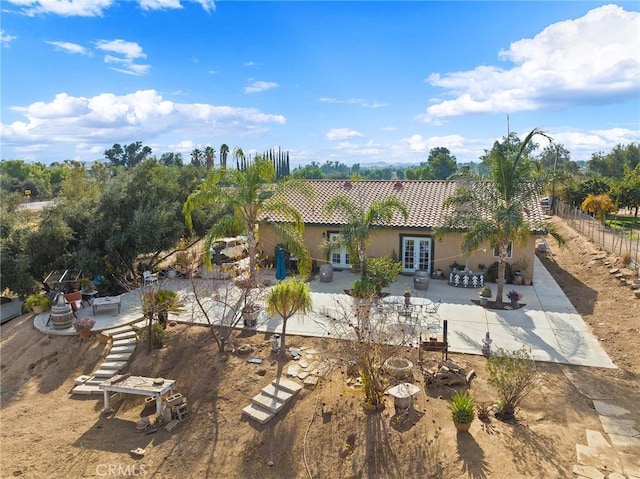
{"type": "Point", "coordinates": [462, 427]}
{"type": "Point", "coordinates": [85, 334]}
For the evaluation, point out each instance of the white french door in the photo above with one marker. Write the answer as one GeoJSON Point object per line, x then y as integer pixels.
{"type": "Point", "coordinates": [416, 254]}
{"type": "Point", "coordinates": [339, 258]}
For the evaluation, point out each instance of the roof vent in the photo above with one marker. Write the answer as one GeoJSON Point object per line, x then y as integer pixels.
{"type": "Point", "coordinates": [398, 185]}
{"type": "Point", "coordinates": [347, 185]}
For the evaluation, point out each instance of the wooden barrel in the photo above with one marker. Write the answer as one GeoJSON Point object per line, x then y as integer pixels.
{"type": "Point", "coordinates": [326, 273]}
{"type": "Point", "coordinates": [421, 280]}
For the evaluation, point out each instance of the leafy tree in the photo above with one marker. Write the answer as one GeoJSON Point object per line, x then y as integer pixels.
{"type": "Point", "coordinates": [576, 193]}
{"type": "Point", "coordinates": [360, 219]}
{"type": "Point", "coordinates": [242, 198]}
{"type": "Point", "coordinates": [441, 163]}
{"type": "Point", "coordinates": [600, 206]}
{"type": "Point", "coordinates": [492, 210]}
{"type": "Point", "coordinates": [626, 193]}
{"type": "Point", "coordinates": [171, 158]}
{"type": "Point", "coordinates": [556, 156]}
{"type": "Point", "coordinates": [287, 298]}
{"type": "Point", "coordinates": [127, 155]}
{"type": "Point", "coordinates": [612, 164]}
{"type": "Point", "coordinates": [309, 172]}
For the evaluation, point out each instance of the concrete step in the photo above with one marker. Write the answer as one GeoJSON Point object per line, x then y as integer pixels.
{"type": "Point", "coordinates": [124, 342]}
{"type": "Point", "coordinates": [104, 373]}
{"type": "Point", "coordinates": [86, 389]}
{"type": "Point", "coordinates": [118, 330]}
{"type": "Point", "coordinates": [127, 335]}
{"type": "Point", "coordinates": [118, 356]}
{"type": "Point", "coordinates": [286, 384]}
{"type": "Point", "coordinates": [122, 349]}
{"type": "Point", "coordinates": [277, 393]}
{"type": "Point", "coordinates": [267, 402]}
{"type": "Point", "coordinates": [113, 365]}
{"type": "Point", "coordinates": [256, 413]}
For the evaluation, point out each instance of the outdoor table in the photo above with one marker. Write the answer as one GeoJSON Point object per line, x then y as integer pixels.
{"type": "Point", "coordinates": [108, 301]}
{"type": "Point", "coordinates": [140, 385]}
{"type": "Point", "coordinates": [88, 296]}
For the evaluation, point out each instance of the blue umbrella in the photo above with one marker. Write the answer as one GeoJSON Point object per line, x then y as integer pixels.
{"type": "Point", "coordinates": [281, 270]}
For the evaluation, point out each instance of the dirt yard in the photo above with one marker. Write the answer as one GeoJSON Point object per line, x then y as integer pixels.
{"type": "Point", "coordinates": [325, 433]}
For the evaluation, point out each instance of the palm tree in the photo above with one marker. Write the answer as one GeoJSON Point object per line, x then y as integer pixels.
{"type": "Point", "coordinates": [242, 199]}
{"type": "Point", "coordinates": [196, 157]}
{"type": "Point", "coordinates": [492, 210]}
{"type": "Point", "coordinates": [224, 152]}
{"type": "Point", "coordinates": [356, 233]}
{"type": "Point", "coordinates": [287, 298]}
{"type": "Point", "coordinates": [209, 156]}
{"type": "Point", "coordinates": [238, 155]}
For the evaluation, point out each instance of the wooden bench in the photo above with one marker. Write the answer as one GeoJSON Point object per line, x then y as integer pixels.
{"type": "Point", "coordinates": [435, 342]}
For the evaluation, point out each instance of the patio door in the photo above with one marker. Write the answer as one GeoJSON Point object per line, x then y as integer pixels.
{"type": "Point", "coordinates": [416, 254]}
{"type": "Point", "coordinates": [339, 258]}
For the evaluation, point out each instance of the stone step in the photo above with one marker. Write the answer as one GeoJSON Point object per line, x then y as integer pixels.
{"type": "Point", "coordinates": [286, 384]}
{"type": "Point", "coordinates": [118, 356]}
{"type": "Point", "coordinates": [86, 389]}
{"type": "Point", "coordinates": [122, 349]}
{"type": "Point", "coordinates": [113, 365]}
{"type": "Point", "coordinates": [118, 330]}
{"type": "Point", "coordinates": [277, 393]}
{"type": "Point", "coordinates": [256, 413]}
{"type": "Point", "coordinates": [269, 403]}
{"type": "Point", "coordinates": [127, 335]}
{"type": "Point", "coordinates": [104, 373]}
{"type": "Point", "coordinates": [124, 342]}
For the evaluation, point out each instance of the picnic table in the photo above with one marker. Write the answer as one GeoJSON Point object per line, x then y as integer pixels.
{"type": "Point", "coordinates": [106, 302]}
{"type": "Point", "coordinates": [143, 386]}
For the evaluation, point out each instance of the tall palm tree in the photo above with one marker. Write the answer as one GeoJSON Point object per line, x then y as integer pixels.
{"type": "Point", "coordinates": [356, 232]}
{"type": "Point", "coordinates": [495, 210]}
{"type": "Point", "coordinates": [286, 299]}
{"type": "Point", "coordinates": [209, 156]}
{"type": "Point", "coordinates": [224, 152]}
{"type": "Point", "coordinates": [250, 195]}
{"type": "Point", "coordinates": [238, 155]}
{"type": "Point", "coordinates": [196, 157]}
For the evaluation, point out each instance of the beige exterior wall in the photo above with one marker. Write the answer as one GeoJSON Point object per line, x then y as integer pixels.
{"type": "Point", "coordinates": [385, 242]}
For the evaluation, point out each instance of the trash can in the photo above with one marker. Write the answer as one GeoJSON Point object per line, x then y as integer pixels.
{"type": "Point", "coordinates": [326, 273]}
{"type": "Point", "coordinates": [421, 280]}
{"type": "Point", "coordinates": [275, 343]}
{"type": "Point", "coordinates": [293, 265]}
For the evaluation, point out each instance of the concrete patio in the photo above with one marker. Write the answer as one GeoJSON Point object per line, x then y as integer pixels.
{"type": "Point", "coordinates": [548, 324]}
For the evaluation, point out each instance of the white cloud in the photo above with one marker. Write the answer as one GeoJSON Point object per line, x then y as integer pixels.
{"type": "Point", "coordinates": [260, 86]}
{"type": "Point", "coordinates": [342, 134]}
{"type": "Point", "coordinates": [95, 8]}
{"type": "Point", "coordinates": [66, 8]}
{"type": "Point", "coordinates": [70, 47]}
{"type": "Point", "coordinates": [129, 51]}
{"type": "Point", "coordinates": [6, 39]}
{"type": "Point", "coordinates": [144, 114]}
{"type": "Point", "coordinates": [353, 101]}
{"type": "Point", "coordinates": [591, 59]}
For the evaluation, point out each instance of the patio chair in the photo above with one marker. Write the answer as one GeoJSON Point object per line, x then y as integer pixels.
{"type": "Point", "coordinates": [149, 278]}
{"type": "Point", "coordinates": [433, 318]}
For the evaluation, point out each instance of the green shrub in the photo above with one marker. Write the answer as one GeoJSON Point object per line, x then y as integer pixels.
{"type": "Point", "coordinates": [382, 271]}
{"type": "Point", "coordinates": [492, 273]}
{"type": "Point", "coordinates": [513, 375]}
{"type": "Point", "coordinates": [37, 299]}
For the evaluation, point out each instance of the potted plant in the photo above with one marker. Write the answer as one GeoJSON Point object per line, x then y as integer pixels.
{"type": "Point", "coordinates": [407, 296]}
{"type": "Point", "coordinates": [462, 407]}
{"type": "Point", "coordinates": [250, 314]}
{"type": "Point", "coordinates": [83, 327]}
{"type": "Point", "coordinates": [514, 296]}
{"type": "Point", "coordinates": [86, 286]}
{"type": "Point", "coordinates": [485, 294]}
{"type": "Point", "coordinates": [37, 303]}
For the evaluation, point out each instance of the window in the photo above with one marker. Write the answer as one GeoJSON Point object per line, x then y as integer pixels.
{"type": "Point", "coordinates": [509, 250]}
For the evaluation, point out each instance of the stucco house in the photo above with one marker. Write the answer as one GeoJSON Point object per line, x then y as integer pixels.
{"type": "Point", "coordinates": [412, 240]}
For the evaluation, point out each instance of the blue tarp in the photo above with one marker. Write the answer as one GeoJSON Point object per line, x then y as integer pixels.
{"type": "Point", "coordinates": [281, 270]}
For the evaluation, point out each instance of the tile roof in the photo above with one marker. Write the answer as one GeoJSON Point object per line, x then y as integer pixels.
{"type": "Point", "coordinates": [424, 200]}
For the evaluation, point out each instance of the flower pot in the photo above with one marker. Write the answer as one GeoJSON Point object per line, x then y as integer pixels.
{"type": "Point", "coordinates": [37, 309]}
{"type": "Point", "coordinates": [250, 317]}
{"type": "Point", "coordinates": [514, 304]}
{"type": "Point", "coordinates": [85, 334]}
{"type": "Point", "coordinates": [462, 426]}
{"type": "Point", "coordinates": [483, 301]}
{"type": "Point", "coordinates": [407, 300]}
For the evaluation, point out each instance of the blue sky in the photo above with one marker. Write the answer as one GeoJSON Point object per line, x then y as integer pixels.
{"type": "Point", "coordinates": [356, 82]}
